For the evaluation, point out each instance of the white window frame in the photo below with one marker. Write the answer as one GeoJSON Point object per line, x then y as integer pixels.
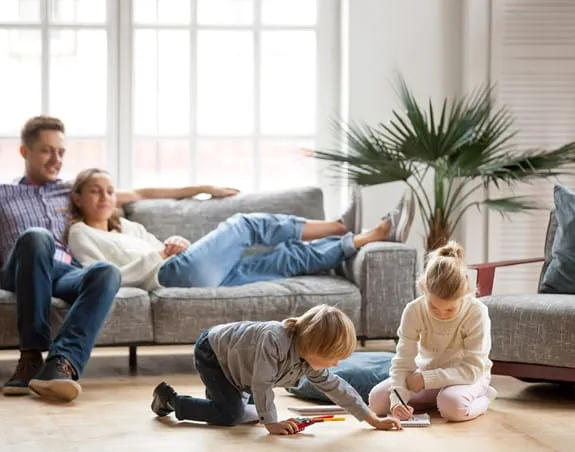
{"type": "Point", "coordinates": [328, 82]}
{"type": "Point", "coordinates": [45, 26]}
{"type": "Point", "coordinates": [120, 124]}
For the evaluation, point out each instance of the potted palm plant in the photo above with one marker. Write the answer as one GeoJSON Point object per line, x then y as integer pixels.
{"type": "Point", "coordinates": [465, 146]}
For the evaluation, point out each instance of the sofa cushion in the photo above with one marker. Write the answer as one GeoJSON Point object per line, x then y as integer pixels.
{"type": "Point", "coordinates": [560, 274]}
{"type": "Point", "coordinates": [362, 370]}
{"type": "Point", "coordinates": [535, 329]}
{"type": "Point", "coordinates": [130, 320]}
{"type": "Point", "coordinates": [549, 239]}
{"type": "Point", "coordinates": [192, 218]}
{"type": "Point", "coordinates": [180, 315]}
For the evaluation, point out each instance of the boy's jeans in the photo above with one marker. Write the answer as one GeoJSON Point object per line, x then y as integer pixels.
{"type": "Point", "coordinates": [225, 404]}
{"type": "Point", "coordinates": [217, 259]}
{"type": "Point", "coordinates": [35, 276]}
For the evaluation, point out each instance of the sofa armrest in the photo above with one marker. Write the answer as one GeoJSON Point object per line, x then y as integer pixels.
{"type": "Point", "coordinates": [486, 273]}
{"type": "Point", "coordinates": [386, 275]}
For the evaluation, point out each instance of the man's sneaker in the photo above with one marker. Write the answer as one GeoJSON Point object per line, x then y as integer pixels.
{"type": "Point", "coordinates": [352, 215]}
{"type": "Point", "coordinates": [56, 380]}
{"type": "Point", "coordinates": [29, 364]}
{"type": "Point", "coordinates": [401, 218]}
{"type": "Point", "coordinates": [163, 401]}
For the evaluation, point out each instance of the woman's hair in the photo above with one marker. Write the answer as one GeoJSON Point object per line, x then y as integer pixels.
{"type": "Point", "coordinates": [74, 212]}
{"type": "Point", "coordinates": [445, 274]}
{"type": "Point", "coordinates": [323, 331]}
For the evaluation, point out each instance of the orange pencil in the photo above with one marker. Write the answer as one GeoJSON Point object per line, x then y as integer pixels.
{"type": "Point", "coordinates": [340, 418]}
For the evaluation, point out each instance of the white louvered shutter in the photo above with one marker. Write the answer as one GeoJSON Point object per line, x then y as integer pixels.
{"type": "Point", "coordinates": [533, 67]}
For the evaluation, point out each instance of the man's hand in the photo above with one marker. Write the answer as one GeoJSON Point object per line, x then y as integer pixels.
{"type": "Point", "coordinates": [288, 427]}
{"type": "Point", "coordinates": [175, 245]}
{"type": "Point", "coordinates": [222, 192]}
{"type": "Point", "coordinates": [384, 423]}
{"type": "Point", "coordinates": [415, 382]}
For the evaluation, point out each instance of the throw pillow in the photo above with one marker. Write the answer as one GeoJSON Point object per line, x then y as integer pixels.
{"type": "Point", "coordinates": [560, 275]}
{"type": "Point", "coordinates": [362, 370]}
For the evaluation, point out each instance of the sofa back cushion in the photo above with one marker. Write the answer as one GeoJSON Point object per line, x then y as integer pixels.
{"type": "Point", "coordinates": [559, 276]}
{"type": "Point", "coordinates": [549, 239]}
{"type": "Point", "coordinates": [193, 218]}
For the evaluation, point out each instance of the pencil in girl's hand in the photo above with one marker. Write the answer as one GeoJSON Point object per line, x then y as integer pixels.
{"type": "Point", "coordinates": [400, 399]}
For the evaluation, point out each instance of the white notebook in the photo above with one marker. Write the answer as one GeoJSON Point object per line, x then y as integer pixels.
{"type": "Point", "coordinates": [418, 420]}
{"type": "Point", "coordinates": [318, 410]}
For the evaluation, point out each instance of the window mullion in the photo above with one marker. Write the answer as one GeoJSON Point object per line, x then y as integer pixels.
{"type": "Point", "coordinates": [193, 137]}
{"type": "Point", "coordinates": [257, 93]}
{"type": "Point", "coordinates": [125, 92]}
{"type": "Point", "coordinates": [45, 65]}
{"type": "Point", "coordinates": [113, 114]}
{"type": "Point", "coordinates": [328, 86]}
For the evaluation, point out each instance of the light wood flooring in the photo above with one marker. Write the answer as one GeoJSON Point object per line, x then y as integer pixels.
{"type": "Point", "coordinates": [113, 414]}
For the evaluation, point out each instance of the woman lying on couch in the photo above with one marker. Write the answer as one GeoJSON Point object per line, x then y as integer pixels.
{"type": "Point", "coordinates": [299, 246]}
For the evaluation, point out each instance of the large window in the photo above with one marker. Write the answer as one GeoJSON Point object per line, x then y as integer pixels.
{"type": "Point", "coordinates": [54, 59]}
{"type": "Point", "coordinates": [166, 92]}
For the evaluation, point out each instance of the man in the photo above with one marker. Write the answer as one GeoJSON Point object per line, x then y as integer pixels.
{"type": "Point", "coordinates": [36, 265]}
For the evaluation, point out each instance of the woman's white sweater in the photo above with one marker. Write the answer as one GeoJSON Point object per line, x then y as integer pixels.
{"type": "Point", "coordinates": [134, 251]}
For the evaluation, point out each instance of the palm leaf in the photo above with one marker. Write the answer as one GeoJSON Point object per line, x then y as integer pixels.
{"type": "Point", "coordinates": [367, 158]}
{"type": "Point", "coordinates": [467, 144]}
{"type": "Point", "coordinates": [511, 204]}
{"type": "Point", "coordinates": [530, 166]}
{"type": "Point", "coordinates": [504, 206]}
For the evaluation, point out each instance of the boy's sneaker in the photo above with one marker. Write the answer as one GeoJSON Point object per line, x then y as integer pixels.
{"type": "Point", "coordinates": [29, 364]}
{"type": "Point", "coordinates": [401, 218]}
{"type": "Point", "coordinates": [56, 380]}
{"type": "Point", "coordinates": [163, 401]}
{"type": "Point", "coordinates": [352, 215]}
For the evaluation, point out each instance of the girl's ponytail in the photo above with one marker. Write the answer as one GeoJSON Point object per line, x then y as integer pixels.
{"type": "Point", "coordinates": [445, 274]}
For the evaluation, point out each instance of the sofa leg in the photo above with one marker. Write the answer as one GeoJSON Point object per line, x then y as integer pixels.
{"type": "Point", "coordinates": [133, 360]}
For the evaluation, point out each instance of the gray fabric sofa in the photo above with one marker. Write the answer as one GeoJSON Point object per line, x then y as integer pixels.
{"type": "Point", "coordinates": [372, 288]}
{"type": "Point", "coordinates": [533, 334]}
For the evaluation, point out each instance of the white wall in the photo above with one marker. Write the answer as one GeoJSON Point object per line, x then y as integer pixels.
{"type": "Point", "coordinates": [422, 39]}
{"type": "Point", "coordinates": [476, 58]}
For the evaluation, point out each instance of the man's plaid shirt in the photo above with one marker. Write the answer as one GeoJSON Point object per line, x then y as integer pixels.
{"type": "Point", "coordinates": [23, 206]}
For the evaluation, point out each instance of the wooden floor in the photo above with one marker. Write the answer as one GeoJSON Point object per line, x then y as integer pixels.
{"type": "Point", "coordinates": [113, 414]}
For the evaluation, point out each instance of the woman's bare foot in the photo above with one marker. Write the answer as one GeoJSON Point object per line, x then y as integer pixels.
{"type": "Point", "coordinates": [314, 229]}
{"type": "Point", "coordinates": [378, 234]}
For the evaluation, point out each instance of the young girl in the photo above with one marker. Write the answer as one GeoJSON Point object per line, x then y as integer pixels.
{"type": "Point", "coordinates": [444, 342]}
{"type": "Point", "coordinates": [240, 358]}
{"type": "Point", "coordinates": [300, 246]}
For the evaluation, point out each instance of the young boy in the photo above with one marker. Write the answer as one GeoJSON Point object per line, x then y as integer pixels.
{"type": "Point", "coordinates": [240, 358]}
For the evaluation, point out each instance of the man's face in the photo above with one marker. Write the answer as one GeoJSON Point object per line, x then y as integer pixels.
{"type": "Point", "coordinates": [44, 157]}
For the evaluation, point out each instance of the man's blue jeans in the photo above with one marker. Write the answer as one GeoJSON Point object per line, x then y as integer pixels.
{"type": "Point", "coordinates": [217, 259]}
{"type": "Point", "coordinates": [35, 276]}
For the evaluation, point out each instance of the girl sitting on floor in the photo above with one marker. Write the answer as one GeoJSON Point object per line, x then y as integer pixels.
{"type": "Point", "coordinates": [444, 343]}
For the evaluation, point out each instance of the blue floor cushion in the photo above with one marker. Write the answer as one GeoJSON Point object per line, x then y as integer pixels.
{"type": "Point", "coordinates": [362, 370]}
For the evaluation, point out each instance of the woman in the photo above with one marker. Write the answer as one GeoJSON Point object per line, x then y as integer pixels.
{"type": "Point", "coordinates": [299, 246]}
